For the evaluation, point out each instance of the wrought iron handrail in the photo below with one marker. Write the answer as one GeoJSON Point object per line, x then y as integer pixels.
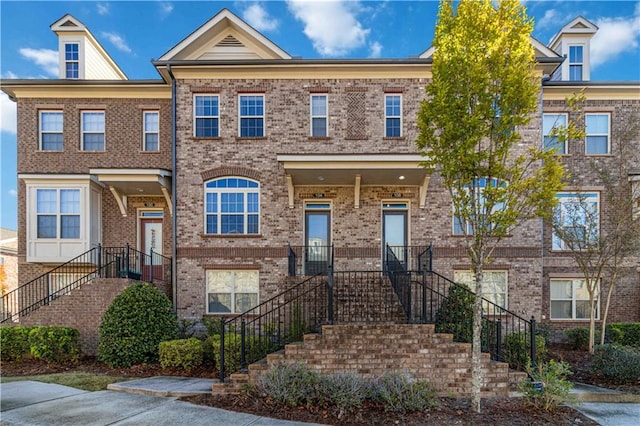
{"type": "Point", "coordinates": [99, 261]}
{"type": "Point", "coordinates": [268, 327]}
{"type": "Point", "coordinates": [309, 260]}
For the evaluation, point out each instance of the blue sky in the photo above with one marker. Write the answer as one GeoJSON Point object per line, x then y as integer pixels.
{"type": "Point", "coordinates": [134, 33]}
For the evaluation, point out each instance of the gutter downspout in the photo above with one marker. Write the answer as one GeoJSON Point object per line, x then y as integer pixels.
{"type": "Point", "coordinates": [174, 221]}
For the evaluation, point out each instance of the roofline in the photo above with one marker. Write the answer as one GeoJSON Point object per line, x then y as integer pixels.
{"type": "Point", "coordinates": [69, 82]}
{"type": "Point", "coordinates": [258, 62]}
{"type": "Point", "coordinates": [590, 83]}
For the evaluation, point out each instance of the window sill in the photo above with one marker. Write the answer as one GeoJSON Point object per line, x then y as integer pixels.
{"type": "Point", "coordinates": [84, 151]}
{"type": "Point", "coordinates": [227, 236]}
{"type": "Point", "coordinates": [256, 138]}
{"type": "Point", "coordinates": [54, 151]}
{"type": "Point", "coordinates": [393, 138]}
{"type": "Point", "coordinates": [598, 155]}
{"type": "Point", "coordinates": [200, 138]}
{"type": "Point", "coordinates": [149, 152]}
{"type": "Point", "coordinates": [319, 138]}
{"type": "Point", "coordinates": [571, 319]}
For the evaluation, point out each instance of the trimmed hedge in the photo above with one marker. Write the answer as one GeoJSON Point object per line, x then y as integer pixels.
{"type": "Point", "coordinates": [618, 363]}
{"type": "Point", "coordinates": [183, 353]}
{"type": "Point", "coordinates": [49, 343]}
{"type": "Point", "coordinates": [14, 342]}
{"type": "Point", "coordinates": [624, 333]}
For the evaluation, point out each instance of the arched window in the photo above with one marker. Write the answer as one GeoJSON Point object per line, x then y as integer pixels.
{"type": "Point", "coordinates": [232, 206]}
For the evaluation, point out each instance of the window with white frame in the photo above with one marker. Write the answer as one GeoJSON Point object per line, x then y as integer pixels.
{"type": "Point", "coordinates": [72, 60]}
{"type": "Point", "coordinates": [462, 226]}
{"type": "Point", "coordinates": [494, 285]}
{"type": "Point", "coordinates": [92, 130]}
{"type": "Point", "coordinates": [576, 62]}
{"type": "Point", "coordinates": [319, 116]}
{"type": "Point", "coordinates": [231, 291]}
{"type": "Point", "coordinates": [58, 213]}
{"type": "Point", "coordinates": [51, 130]}
{"type": "Point", "coordinates": [576, 220]}
{"type": "Point", "coordinates": [393, 116]}
{"type": "Point", "coordinates": [232, 206]}
{"type": "Point", "coordinates": [550, 122]}
{"type": "Point", "coordinates": [151, 131]}
{"type": "Point", "coordinates": [206, 116]}
{"type": "Point", "coordinates": [597, 130]}
{"type": "Point", "coordinates": [570, 299]}
{"type": "Point", "coordinates": [251, 111]}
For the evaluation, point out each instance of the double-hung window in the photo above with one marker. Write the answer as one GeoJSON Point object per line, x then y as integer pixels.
{"type": "Point", "coordinates": [393, 116]}
{"type": "Point", "coordinates": [575, 63]}
{"type": "Point", "coordinates": [598, 130]}
{"type": "Point", "coordinates": [251, 110]}
{"type": "Point", "coordinates": [494, 285]}
{"type": "Point", "coordinates": [58, 213]}
{"type": "Point", "coordinates": [206, 116]}
{"type": "Point", "coordinates": [570, 299]}
{"type": "Point", "coordinates": [319, 116]}
{"type": "Point", "coordinates": [576, 221]}
{"type": "Point", "coordinates": [231, 292]}
{"type": "Point", "coordinates": [92, 130]}
{"type": "Point", "coordinates": [71, 60]}
{"type": "Point", "coordinates": [51, 130]}
{"type": "Point", "coordinates": [550, 122]}
{"type": "Point", "coordinates": [151, 131]}
{"type": "Point", "coordinates": [232, 206]}
{"type": "Point", "coordinates": [462, 226]}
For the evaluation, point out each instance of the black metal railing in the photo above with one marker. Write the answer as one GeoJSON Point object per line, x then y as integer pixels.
{"type": "Point", "coordinates": [271, 325]}
{"type": "Point", "coordinates": [98, 262]}
{"type": "Point", "coordinates": [309, 260]}
{"type": "Point", "coordinates": [408, 258]}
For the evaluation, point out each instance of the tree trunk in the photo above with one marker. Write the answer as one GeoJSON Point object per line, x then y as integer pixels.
{"type": "Point", "coordinates": [476, 347]}
{"type": "Point", "coordinates": [606, 306]}
{"type": "Point", "coordinates": [592, 322]}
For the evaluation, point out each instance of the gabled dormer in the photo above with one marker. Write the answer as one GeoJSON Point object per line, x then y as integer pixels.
{"type": "Point", "coordinates": [80, 56]}
{"type": "Point", "coordinates": [573, 42]}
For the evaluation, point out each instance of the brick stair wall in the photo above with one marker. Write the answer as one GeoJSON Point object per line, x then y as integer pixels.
{"type": "Point", "coordinates": [82, 309]}
{"type": "Point", "coordinates": [371, 350]}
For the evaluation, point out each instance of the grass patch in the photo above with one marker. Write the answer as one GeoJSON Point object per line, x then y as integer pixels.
{"type": "Point", "coordinates": [80, 380]}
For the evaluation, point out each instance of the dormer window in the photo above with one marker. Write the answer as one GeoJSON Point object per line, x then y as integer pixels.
{"type": "Point", "coordinates": [576, 62]}
{"type": "Point", "coordinates": [71, 61]}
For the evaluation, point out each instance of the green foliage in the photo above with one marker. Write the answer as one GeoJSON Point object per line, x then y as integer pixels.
{"type": "Point", "coordinates": [555, 389]}
{"type": "Point", "coordinates": [516, 350]}
{"type": "Point", "coordinates": [54, 343]}
{"type": "Point", "coordinates": [209, 353]}
{"type": "Point", "coordinates": [183, 353]}
{"type": "Point", "coordinates": [291, 385]}
{"type": "Point", "coordinates": [620, 364]}
{"type": "Point", "coordinates": [346, 392]}
{"type": "Point", "coordinates": [400, 393]}
{"type": "Point", "coordinates": [455, 315]}
{"type": "Point", "coordinates": [14, 342]}
{"type": "Point", "coordinates": [579, 337]}
{"type": "Point", "coordinates": [544, 330]}
{"type": "Point", "coordinates": [233, 350]}
{"type": "Point", "coordinates": [624, 333]}
{"type": "Point", "coordinates": [136, 322]}
{"type": "Point", "coordinates": [212, 325]}
{"type": "Point", "coordinates": [186, 328]}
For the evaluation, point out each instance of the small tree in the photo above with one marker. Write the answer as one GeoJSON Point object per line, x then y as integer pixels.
{"type": "Point", "coordinates": [484, 88]}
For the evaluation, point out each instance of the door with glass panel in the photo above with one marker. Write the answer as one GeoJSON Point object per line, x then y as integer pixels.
{"type": "Point", "coordinates": [151, 244]}
{"type": "Point", "coordinates": [317, 251]}
{"type": "Point", "coordinates": [394, 235]}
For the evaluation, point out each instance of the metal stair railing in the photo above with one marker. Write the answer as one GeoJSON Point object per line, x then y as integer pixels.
{"type": "Point", "coordinates": [309, 260]}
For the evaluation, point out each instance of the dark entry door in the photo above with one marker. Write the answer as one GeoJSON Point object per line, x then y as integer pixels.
{"type": "Point", "coordinates": [394, 231]}
{"type": "Point", "coordinates": [317, 241]}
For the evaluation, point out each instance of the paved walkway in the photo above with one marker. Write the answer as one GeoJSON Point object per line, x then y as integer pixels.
{"type": "Point", "coordinates": [152, 401]}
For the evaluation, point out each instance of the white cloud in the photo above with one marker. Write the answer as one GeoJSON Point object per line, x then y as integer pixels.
{"type": "Point", "coordinates": [46, 59]}
{"type": "Point", "coordinates": [165, 8]}
{"type": "Point", "coordinates": [375, 49]}
{"type": "Point", "coordinates": [13, 192]}
{"type": "Point", "coordinates": [554, 19]}
{"type": "Point", "coordinates": [615, 36]}
{"type": "Point", "coordinates": [103, 8]}
{"type": "Point", "coordinates": [259, 18]}
{"type": "Point", "coordinates": [331, 25]}
{"type": "Point", "coordinates": [7, 114]}
{"type": "Point", "coordinates": [117, 41]}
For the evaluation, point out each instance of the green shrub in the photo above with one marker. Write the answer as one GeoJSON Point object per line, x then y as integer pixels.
{"type": "Point", "coordinates": [14, 342]}
{"type": "Point", "coordinates": [516, 350]}
{"type": "Point", "coordinates": [555, 389]}
{"type": "Point", "coordinates": [624, 333]}
{"type": "Point", "coordinates": [620, 364]}
{"type": "Point", "coordinates": [544, 330]}
{"type": "Point", "coordinates": [346, 392]}
{"type": "Point", "coordinates": [579, 338]}
{"type": "Point", "coordinates": [400, 393]}
{"type": "Point", "coordinates": [291, 385]}
{"type": "Point", "coordinates": [209, 354]}
{"type": "Point", "coordinates": [211, 325]}
{"type": "Point", "coordinates": [136, 322]}
{"type": "Point", "coordinates": [183, 353]}
{"type": "Point", "coordinates": [186, 328]}
{"type": "Point", "coordinates": [455, 315]}
{"type": "Point", "coordinates": [55, 344]}
{"type": "Point", "coordinates": [233, 350]}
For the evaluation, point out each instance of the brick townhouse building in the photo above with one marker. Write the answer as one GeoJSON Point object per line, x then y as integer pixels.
{"type": "Point", "coordinates": [246, 165]}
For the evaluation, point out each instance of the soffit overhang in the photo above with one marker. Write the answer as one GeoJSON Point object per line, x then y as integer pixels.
{"type": "Point", "coordinates": [560, 90]}
{"type": "Point", "coordinates": [49, 88]}
{"type": "Point", "coordinates": [135, 182]}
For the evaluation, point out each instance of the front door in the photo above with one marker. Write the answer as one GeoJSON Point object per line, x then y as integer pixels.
{"type": "Point", "coordinates": [317, 238]}
{"type": "Point", "coordinates": [394, 231]}
{"type": "Point", "coordinates": [151, 245]}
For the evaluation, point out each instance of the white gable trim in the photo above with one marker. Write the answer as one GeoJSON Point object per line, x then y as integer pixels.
{"type": "Point", "coordinates": [579, 25]}
{"type": "Point", "coordinates": [537, 45]}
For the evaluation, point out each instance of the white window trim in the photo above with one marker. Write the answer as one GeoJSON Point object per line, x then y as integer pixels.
{"type": "Point", "coordinates": [567, 198]}
{"type": "Point", "coordinates": [83, 131]}
{"type": "Point", "coordinates": [195, 116]}
{"type": "Point", "coordinates": [582, 64]}
{"type": "Point", "coordinates": [146, 132]}
{"type": "Point", "coordinates": [263, 116]}
{"type": "Point", "coordinates": [59, 214]}
{"type": "Point", "coordinates": [233, 292]}
{"type": "Point", "coordinates": [608, 134]}
{"type": "Point", "coordinates": [506, 279]}
{"type": "Point", "coordinates": [41, 131]}
{"type": "Point", "coordinates": [312, 116]}
{"type": "Point", "coordinates": [386, 96]}
{"type": "Point", "coordinates": [566, 120]}
{"type": "Point", "coordinates": [245, 213]}
{"type": "Point", "coordinates": [66, 61]}
{"type": "Point", "coordinates": [573, 300]}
